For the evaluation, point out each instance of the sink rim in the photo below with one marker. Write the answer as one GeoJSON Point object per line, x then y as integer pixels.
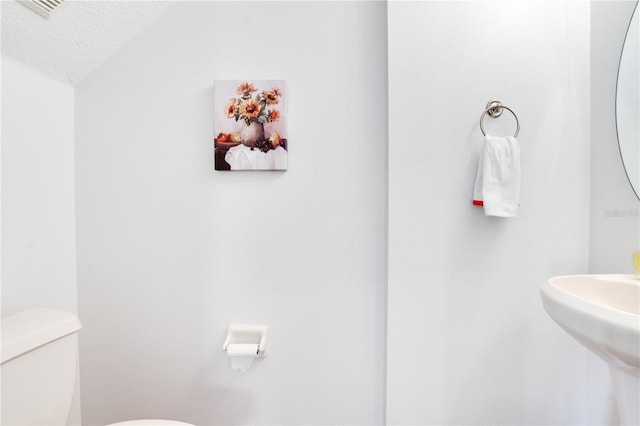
{"type": "Point", "coordinates": [578, 303]}
{"type": "Point", "coordinates": [607, 331]}
{"type": "Point", "coordinates": [610, 333]}
{"type": "Point", "coordinates": [624, 279]}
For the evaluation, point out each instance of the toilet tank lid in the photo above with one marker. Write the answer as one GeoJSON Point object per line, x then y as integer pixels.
{"type": "Point", "coordinates": [33, 328]}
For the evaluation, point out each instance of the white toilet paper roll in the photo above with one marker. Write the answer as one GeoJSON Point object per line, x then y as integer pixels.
{"type": "Point", "coordinates": [241, 355]}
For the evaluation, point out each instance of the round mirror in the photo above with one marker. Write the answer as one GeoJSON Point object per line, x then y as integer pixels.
{"type": "Point", "coordinates": [627, 112]}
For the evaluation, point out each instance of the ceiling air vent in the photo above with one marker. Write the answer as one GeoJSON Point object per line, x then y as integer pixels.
{"type": "Point", "coordinates": [42, 7]}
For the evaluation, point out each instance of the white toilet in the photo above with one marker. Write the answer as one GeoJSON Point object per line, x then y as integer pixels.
{"type": "Point", "coordinates": [39, 359]}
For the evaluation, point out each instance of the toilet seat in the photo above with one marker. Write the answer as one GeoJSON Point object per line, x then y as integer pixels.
{"type": "Point", "coordinates": [151, 422]}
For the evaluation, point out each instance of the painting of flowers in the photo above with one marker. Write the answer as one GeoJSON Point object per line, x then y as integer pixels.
{"type": "Point", "coordinates": [250, 125]}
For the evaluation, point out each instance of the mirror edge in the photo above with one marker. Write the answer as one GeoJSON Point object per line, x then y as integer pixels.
{"type": "Point", "coordinates": [636, 190]}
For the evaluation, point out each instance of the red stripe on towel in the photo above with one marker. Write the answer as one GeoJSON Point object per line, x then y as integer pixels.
{"type": "Point", "coordinates": [478, 203]}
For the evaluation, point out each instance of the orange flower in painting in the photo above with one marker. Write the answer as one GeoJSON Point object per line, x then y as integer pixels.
{"type": "Point", "coordinates": [270, 97]}
{"type": "Point", "coordinates": [245, 89]}
{"type": "Point", "coordinates": [274, 115]}
{"type": "Point", "coordinates": [250, 108]}
{"type": "Point", "coordinates": [231, 108]}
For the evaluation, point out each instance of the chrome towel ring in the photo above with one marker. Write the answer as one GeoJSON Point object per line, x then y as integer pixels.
{"type": "Point", "coordinates": [494, 109]}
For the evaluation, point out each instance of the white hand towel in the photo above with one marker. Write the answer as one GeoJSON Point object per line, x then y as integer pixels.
{"type": "Point", "coordinates": [497, 186]}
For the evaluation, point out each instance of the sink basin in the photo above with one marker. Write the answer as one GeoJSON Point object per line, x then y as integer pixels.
{"type": "Point", "coordinates": [602, 312]}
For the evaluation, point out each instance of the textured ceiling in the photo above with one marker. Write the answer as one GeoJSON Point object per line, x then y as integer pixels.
{"type": "Point", "coordinates": [77, 37]}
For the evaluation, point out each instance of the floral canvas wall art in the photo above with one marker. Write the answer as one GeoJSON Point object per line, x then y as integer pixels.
{"type": "Point", "coordinates": [250, 125]}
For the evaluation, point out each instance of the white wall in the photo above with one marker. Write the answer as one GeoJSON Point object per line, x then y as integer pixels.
{"type": "Point", "coordinates": [171, 252]}
{"type": "Point", "coordinates": [38, 220]}
{"type": "Point", "coordinates": [38, 201]}
{"type": "Point", "coordinates": [615, 222]}
{"type": "Point", "coordinates": [468, 339]}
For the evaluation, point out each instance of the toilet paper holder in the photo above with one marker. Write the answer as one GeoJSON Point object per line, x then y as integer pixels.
{"type": "Point", "coordinates": [247, 334]}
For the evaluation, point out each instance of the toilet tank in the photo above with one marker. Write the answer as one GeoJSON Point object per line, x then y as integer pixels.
{"type": "Point", "coordinates": [39, 362]}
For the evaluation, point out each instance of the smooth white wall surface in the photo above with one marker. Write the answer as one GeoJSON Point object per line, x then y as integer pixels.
{"type": "Point", "coordinates": [468, 339]}
{"type": "Point", "coordinates": [38, 201]}
{"type": "Point", "coordinates": [615, 222]}
{"type": "Point", "coordinates": [170, 252]}
{"type": "Point", "coordinates": [38, 219]}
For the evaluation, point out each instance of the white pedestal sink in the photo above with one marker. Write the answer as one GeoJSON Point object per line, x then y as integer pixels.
{"type": "Point", "coordinates": [603, 313]}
